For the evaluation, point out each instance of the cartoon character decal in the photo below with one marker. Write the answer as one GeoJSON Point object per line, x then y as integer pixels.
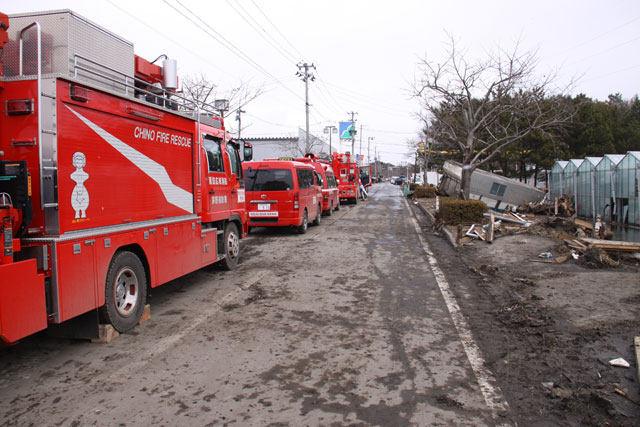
{"type": "Point", "coordinates": [79, 196]}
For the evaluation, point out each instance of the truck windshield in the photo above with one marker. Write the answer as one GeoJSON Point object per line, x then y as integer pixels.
{"type": "Point", "coordinates": [269, 180]}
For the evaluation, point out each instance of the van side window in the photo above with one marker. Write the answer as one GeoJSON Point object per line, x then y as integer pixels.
{"type": "Point", "coordinates": [319, 179]}
{"type": "Point", "coordinates": [331, 181]}
{"type": "Point", "coordinates": [234, 160]}
{"type": "Point", "coordinates": [305, 178]}
{"type": "Point", "coordinates": [214, 154]}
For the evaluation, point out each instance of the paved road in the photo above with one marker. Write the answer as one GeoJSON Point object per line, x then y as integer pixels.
{"type": "Point", "coordinates": [346, 325]}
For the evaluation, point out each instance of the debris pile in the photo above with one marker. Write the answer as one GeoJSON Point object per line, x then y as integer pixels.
{"type": "Point", "coordinates": [575, 233]}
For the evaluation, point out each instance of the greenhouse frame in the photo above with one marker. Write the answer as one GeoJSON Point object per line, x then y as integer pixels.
{"type": "Point", "coordinates": [608, 186]}
{"type": "Point", "coordinates": [627, 178]}
{"type": "Point", "coordinates": [556, 183]}
{"type": "Point", "coordinates": [585, 196]}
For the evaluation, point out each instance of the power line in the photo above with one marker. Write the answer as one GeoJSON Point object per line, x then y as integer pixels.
{"type": "Point", "coordinates": [300, 55]}
{"type": "Point", "coordinates": [226, 44]}
{"type": "Point", "coordinates": [287, 56]}
{"type": "Point", "coordinates": [600, 35]}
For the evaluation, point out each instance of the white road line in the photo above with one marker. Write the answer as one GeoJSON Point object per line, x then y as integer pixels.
{"type": "Point", "coordinates": [491, 393]}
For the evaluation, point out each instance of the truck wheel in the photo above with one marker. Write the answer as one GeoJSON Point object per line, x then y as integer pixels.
{"type": "Point", "coordinates": [231, 246]}
{"type": "Point", "coordinates": [125, 292]}
{"type": "Point", "coordinates": [338, 206]}
{"type": "Point", "coordinates": [319, 216]}
{"type": "Point", "coordinates": [330, 211]}
{"type": "Point", "coordinates": [302, 228]}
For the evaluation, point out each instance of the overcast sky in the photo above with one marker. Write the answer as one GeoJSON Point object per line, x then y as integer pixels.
{"type": "Point", "coordinates": [366, 51]}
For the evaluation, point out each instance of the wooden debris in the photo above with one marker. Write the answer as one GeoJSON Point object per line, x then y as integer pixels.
{"type": "Point", "coordinates": [612, 245]}
{"type": "Point", "coordinates": [491, 228]}
{"type": "Point", "coordinates": [636, 344]}
{"type": "Point", "coordinates": [563, 258]}
{"type": "Point", "coordinates": [583, 224]}
{"type": "Point", "coordinates": [146, 314]}
{"type": "Point", "coordinates": [107, 334]}
{"type": "Point", "coordinates": [625, 394]}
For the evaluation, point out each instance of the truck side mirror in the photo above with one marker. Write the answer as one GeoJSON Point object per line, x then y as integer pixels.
{"type": "Point", "coordinates": [248, 153]}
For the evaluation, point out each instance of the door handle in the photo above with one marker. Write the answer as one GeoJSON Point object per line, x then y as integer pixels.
{"type": "Point", "coordinates": [212, 192]}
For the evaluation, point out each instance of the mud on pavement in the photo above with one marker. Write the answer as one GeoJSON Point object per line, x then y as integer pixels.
{"type": "Point", "coordinates": [548, 331]}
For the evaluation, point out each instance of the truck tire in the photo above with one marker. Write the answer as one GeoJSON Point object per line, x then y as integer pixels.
{"type": "Point", "coordinates": [231, 247]}
{"type": "Point", "coordinates": [302, 228]}
{"type": "Point", "coordinates": [330, 211]}
{"type": "Point", "coordinates": [319, 216]}
{"type": "Point", "coordinates": [125, 292]}
{"type": "Point", "coordinates": [338, 206]}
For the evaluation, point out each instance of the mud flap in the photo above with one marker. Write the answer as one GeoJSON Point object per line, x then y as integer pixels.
{"type": "Point", "coordinates": [22, 300]}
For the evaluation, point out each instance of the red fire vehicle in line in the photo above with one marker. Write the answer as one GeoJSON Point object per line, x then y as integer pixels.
{"type": "Point", "coordinates": [365, 176]}
{"type": "Point", "coordinates": [329, 185]}
{"type": "Point", "coordinates": [282, 193]}
{"type": "Point", "coordinates": [344, 164]}
{"type": "Point", "coordinates": [109, 181]}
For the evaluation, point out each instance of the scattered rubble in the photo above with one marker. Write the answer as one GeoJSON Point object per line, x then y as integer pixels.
{"type": "Point", "coordinates": [581, 242]}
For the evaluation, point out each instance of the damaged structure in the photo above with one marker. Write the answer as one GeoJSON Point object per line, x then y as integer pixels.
{"type": "Point", "coordinates": [495, 190]}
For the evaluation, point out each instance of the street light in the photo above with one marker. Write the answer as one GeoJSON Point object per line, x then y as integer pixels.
{"type": "Point", "coordinates": [330, 130]}
{"type": "Point", "coordinates": [371, 138]}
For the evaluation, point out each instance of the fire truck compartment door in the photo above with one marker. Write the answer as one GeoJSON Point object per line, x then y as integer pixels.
{"type": "Point", "coordinates": [77, 278]}
{"type": "Point", "coordinates": [23, 308]}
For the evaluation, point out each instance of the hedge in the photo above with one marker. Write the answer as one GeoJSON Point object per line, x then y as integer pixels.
{"type": "Point", "coordinates": [421, 191]}
{"type": "Point", "coordinates": [455, 211]}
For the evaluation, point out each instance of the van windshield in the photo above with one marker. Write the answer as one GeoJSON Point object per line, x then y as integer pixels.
{"type": "Point", "coordinates": [269, 180]}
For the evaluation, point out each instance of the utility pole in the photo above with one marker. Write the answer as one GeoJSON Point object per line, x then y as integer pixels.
{"type": "Point", "coordinates": [239, 120]}
{"type": "Point", "coordinates": [361, 141]}
{"type": "Point", "coordinates": [353, 127]}
{"type": "Point", "coordinates": [369, 139]}
{"type": "Point", "coordinates": [305, 76]}
{"type": "Point", "coordinates": [375, 157]}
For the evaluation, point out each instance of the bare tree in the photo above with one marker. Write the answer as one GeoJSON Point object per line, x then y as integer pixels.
{"type": "Point", "coordinates": [202, 91]}
{"type": "Point", "coordinates": [299, 146]}
{"type": "Point", "coordinates": [484, 106]}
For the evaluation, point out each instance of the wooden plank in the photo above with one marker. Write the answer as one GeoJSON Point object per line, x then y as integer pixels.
{"type": "Point", "coordinates": [583, 224]}
{"type": "Point", "coordinates": [146, 314]}
{"type": "Point", "coordinates": [563, 258]}
{"type": "Point", "coordinates": [492, 226]}
{"type": "Point", "coordinates": [107, 334]}
{"type": "Point", "coordinates": [636, 343]}
{"type": "Point", "coordinates": [612, 245]}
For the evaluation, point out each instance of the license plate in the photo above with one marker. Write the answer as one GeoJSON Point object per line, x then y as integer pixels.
{"type": "Point", "coordinates": [264, 206]}
{"type": "Point", "coordinates": [270, 214]}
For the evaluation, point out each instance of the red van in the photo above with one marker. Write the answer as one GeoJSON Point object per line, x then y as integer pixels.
{"type": "Point", "coordinates": [282, 193]}
{"type": "Point", "coordinates": [327, 180]}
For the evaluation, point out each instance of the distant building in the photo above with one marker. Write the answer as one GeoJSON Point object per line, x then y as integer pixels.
{"type": "Point", "coordinates": [287, 146]}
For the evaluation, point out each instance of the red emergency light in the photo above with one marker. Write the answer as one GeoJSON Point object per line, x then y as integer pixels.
{"type": "Point", "coordinates": [19, 107]}
{"type": "Point", "coordinates": [78, 93]}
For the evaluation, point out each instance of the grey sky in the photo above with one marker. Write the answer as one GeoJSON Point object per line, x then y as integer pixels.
{"type": "Point", "coordinates": [366, 51]}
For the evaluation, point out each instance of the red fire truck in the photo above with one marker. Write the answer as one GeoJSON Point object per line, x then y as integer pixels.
{"type": "Point", "coordinates": [110, 182]}
{"type": "Point", "coordinates": [330, 192]}
{"type": "Point", "coordinates": [346, 168]}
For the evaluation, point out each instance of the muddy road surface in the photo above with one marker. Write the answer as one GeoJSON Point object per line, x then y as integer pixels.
{"type": "Point", "coordinates": [353, 323]}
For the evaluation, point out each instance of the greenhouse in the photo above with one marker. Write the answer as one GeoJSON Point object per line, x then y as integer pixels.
{"type": "Point", "coordinates": [570, 180]}
{"type": "Point", "coordinates": [627, 179]}
{"type": "Point", "coordinates": [605, 193]}
{"type": "Point", "coordinates": [556, 184]}
{"type": "Point", "coordinates": [585, 196]}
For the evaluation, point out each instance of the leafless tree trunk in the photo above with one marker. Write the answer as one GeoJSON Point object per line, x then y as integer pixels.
{"type": "Point", "coordinates": [484, 106]}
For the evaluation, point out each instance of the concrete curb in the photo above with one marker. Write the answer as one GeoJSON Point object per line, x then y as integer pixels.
{"type": "Point", "coordinates": [451, 238]}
